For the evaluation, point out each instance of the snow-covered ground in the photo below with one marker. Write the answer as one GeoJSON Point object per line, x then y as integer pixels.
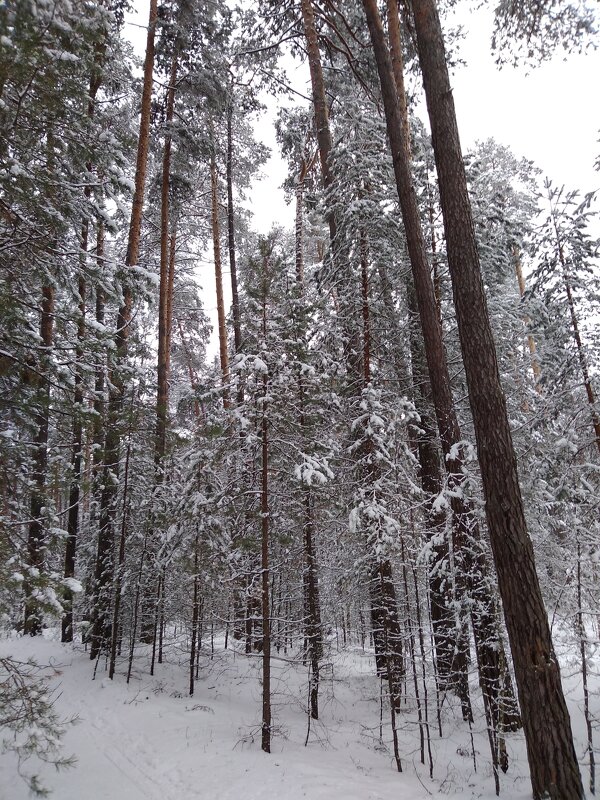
{"type": "Point", "coordinates": [150, 740]}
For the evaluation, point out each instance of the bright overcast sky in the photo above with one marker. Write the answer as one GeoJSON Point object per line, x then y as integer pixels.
{"type": "Point", "coordinates": [550, 115]}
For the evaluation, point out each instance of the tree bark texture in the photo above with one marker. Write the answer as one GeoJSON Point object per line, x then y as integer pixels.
{"type": "Point", "coordinates": [472, 571]}
{"type": "Point", "coordinates": [552, 759]}
{"type": "Point", "coordinates": [223, 354]}
{"type": "Point", "coordinates": [321, 109]}
{"type": "Point", "coordinates": [166, 277]}
{"type": "Point", "coordinates": [235, 301]}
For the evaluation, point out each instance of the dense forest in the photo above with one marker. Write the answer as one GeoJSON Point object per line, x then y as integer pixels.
{"type": "Point", "coordinates": [393, 448]}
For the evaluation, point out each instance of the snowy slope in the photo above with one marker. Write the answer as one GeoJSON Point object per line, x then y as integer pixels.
{"type": "Point", "coordinates": [150, 741]}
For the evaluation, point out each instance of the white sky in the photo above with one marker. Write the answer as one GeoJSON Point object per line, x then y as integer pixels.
{"type": "Point", "coordinates": [550, 115]}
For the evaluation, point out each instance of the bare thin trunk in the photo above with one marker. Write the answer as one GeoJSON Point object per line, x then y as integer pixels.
{"type": "Point", "coordinates": [535, 364]}
{"type": "Point", "coordinates": [299, 229]}
{"type": "Point", "coordinates": [584, 676]}
{"type": "Point", "coordinates": [115, 633]}
{"type": "Point", "coordinates": [364, 274]}
{"type": "Point", "coordinates": [100, 368]}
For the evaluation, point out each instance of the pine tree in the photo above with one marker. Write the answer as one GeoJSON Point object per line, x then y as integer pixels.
{"type": "Point", "coordinates": [552, 760]}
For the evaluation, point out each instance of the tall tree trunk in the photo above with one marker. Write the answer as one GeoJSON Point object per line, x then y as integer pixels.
{"type": "Point", "coordinates": [166, 285]}
{"type": "Point", "coordinates": [387, 635]}
{"type": "Point", "coordinates": [472, 572]}
{"type": "Point", "coordinates": [312, 611]}
{"type": "Point", "coordinates": [116, 624]}
{"type": "Point", "coordinates": [299, 228]}
{"type": "Point", "coordinates": [313, 632]}
{"type": "Point", "coordinates": [383, 607]}
{"type": "Point", "coordinates": [36, 532]}
{"type": "Point", "coordinates": [150, 599]}
{"type": "Point", "coordinates": [76, 460]}
{"type": "Point", "coordinates": [195, 616]}
{"type": "Point", "coordinates": [235, 301]}
{"type": "Point", "coordinates": [223, 354]}
{"type": "Point", "coordinates": [306, 164]}
{"type": "Point", "coordinates": [171, 288]}
{"type": "Point", "coordinates": [552, 759]}
{"type": "Point", "coordinates": [364, 279]}
{"type": "Point", "coordinates": [264, 508]}
{"type": "Point", "coordinates": [451, 656]}
{"type": "Point", "coordinates": [321, 109]}
{"type": "Point", "coordinates": [100, 367]}
{"type": "Point", "coordinates": [104, 570]}
{"type": "Point", "coordinates": [165, 310]}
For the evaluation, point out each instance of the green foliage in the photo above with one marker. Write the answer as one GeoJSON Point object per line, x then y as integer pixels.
{"type": "Point", "coordinates": [31, 728]}
{"type": "Point", "coordinates": [533, 31]}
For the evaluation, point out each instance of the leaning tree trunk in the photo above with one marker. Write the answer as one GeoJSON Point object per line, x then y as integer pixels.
{"type": "Point", "coordinates": [552, 759]}
{"type": "Point", "coordinates": [472, 572]}
{"type": "Point", "coordinates": [451, 654]}
{"type": "Point", "coordinates": [423, 439]}
{"type": "Point", "coordinates": [104, 569]}
{"type": "Point", "coordinates": [321, 110]}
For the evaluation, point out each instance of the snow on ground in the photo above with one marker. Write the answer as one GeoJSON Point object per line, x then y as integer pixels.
{"type": "Point", "coordinates": [150, 740]}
